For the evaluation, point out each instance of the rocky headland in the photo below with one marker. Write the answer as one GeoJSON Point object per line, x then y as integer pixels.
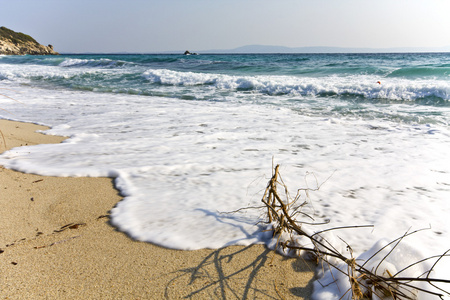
{"type": "Point", "coordinates": [17, 43]}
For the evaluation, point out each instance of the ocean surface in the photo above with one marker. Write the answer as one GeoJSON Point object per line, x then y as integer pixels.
{"type": "Point", "coordinates": [190, 138]}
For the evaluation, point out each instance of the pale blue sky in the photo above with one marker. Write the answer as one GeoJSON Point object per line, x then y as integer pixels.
{"type": "Point", "coordinates": [165, 25]}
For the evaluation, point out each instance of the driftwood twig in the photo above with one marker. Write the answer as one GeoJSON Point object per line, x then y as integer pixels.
{"type": "Point", "coordinates": [376, 283]}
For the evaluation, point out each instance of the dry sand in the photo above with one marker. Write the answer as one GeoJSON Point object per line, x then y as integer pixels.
{"type": "Point", "coordinates": [56, 243]}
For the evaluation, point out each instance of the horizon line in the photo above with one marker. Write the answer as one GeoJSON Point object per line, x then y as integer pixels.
{"type": "Point", "coordinates": [270, 49]}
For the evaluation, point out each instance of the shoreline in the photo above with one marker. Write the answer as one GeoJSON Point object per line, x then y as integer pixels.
{"type": "Point", "coordinates": [56, 242]}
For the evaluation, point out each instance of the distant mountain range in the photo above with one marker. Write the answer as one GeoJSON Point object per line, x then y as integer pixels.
{"type": "Point", "coordinates": [282, 49]}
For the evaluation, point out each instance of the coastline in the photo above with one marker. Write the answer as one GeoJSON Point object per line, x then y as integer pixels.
{"type": "Point", "coordinates": [56, 243]}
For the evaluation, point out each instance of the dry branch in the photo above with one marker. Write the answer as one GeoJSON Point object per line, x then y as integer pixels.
{"type": "Point", "coordinates": [375, 283]}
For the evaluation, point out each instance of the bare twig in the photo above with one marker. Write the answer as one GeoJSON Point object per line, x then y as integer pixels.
{"type": "Point", "coordinates": [285, 218]}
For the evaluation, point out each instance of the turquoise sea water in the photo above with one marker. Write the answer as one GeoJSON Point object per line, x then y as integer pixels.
{"type": "Point", "coordinates": [190, 137]}
{"type": "Point", "coordinates": [328, 84]}
{"type": "Point", "coordinates": [304, 73]}
{"type": "Point", "coordinates": [341, 84]}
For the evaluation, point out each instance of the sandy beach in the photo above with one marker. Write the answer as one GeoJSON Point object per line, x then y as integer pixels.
{"type": "Point", "coordinates": [56, 243]}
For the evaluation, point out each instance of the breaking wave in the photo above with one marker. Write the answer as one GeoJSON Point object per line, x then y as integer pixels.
{"type": "Point", "coordinates": [360, 86]}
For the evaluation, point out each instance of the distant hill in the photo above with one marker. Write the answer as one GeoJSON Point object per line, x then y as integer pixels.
{"type": "Point", "coordinates": [281, 49]}
{"type": "Point", "coordinates": [17, 43]}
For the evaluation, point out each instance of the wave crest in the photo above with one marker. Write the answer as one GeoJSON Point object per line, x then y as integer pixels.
{"type": "Point", "coordinates": [361, 86]}
{"type": "Point", "coordinates": [103, 62]}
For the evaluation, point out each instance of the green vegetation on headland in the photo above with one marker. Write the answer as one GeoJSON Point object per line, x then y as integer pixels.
{"type": "Point", "coordinates": [17, 43]}
{"type": "Point", "coordinates": [15, 37]}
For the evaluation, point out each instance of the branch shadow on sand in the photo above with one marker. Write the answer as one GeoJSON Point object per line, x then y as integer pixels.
{"type": "Point", "coordinates": [239, 272]}
{"type": "Point", "coordinates": [243, 272]}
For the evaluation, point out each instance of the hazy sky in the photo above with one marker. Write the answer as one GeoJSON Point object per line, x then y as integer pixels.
{"type": "Point", "coordinates": [165, 25]}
